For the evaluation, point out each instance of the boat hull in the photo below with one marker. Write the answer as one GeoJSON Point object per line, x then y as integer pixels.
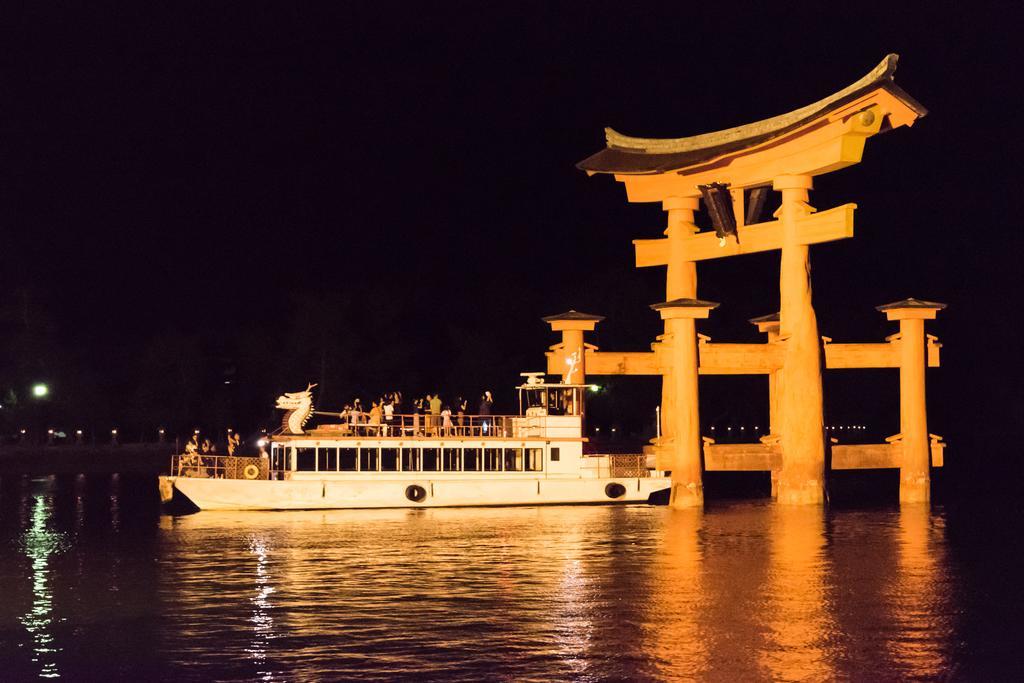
{"type": "Point", "coordinates": [315, 494]}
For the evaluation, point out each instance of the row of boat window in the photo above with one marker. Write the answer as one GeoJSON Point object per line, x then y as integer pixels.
{"type": "Point", "coordinates": [413, 459]}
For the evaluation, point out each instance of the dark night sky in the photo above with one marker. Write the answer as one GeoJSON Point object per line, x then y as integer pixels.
{"type": "Point", "coordinates": [202, 169]}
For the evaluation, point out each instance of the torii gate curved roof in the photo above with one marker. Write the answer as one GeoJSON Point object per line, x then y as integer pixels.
{"type": "Point", "coordinates": [632, 155]}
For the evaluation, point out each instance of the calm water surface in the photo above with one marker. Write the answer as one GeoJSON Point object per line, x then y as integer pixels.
{"type": "Point", "coordinates": [97, 584]}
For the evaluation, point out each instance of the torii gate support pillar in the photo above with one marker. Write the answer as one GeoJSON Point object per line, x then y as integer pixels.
{"type": "Point", "coordinates": [915, 463]}
{"type": "Point", "coordinates": [769, 324]}
{"type": "Point", "coordinates": [687, 473]}
{"type": "Point", "coordinates": [572, 325]}
{"type": "Point", "coordinates": [802, 476]}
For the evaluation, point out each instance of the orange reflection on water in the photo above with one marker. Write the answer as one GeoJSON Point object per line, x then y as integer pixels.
{"type": "Point", "coordinates": [797, 612]}
{"type": "Point", "coordinates": [919, 608]}
{"type": "Point", "coordinates": [674, 633]}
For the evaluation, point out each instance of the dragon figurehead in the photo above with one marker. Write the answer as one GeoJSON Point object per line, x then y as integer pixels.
{"type": "Point", "coordinates": [298, 406]}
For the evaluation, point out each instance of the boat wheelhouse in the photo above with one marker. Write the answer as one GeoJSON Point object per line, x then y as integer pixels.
{"type": "Point", "coordinates": [533, 458]}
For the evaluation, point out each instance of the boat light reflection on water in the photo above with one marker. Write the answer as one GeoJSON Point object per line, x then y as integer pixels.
{"type": "Point", "coordinates": [40, 543]}
{"type": "Point", "coordinates": [262, 619]}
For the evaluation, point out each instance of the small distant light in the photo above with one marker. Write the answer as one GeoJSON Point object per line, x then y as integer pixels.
{"type": "Point", "coordinates": [40, 390]}
{"type": "Point", "coordinates": [49, 431]}
{"type": "Point", "coordinates": [114, 432]}
{"type": "Point", "coordinates": [597, 429]}
{"type": "Point", "coordinates": [78, 432]}
{"type": "Point", "coordinates": [227, 381]}
{"type": "Point", "coordinates": [613, 429]}
{"type": "Point", "coordinates": [595, 388]}
{"type": "Point", "coordinates": [22, 431]}
{"type": "Point", "coordinates": [756, 428]}
{"type": "Point", "coordinates": [196, 431]}
{"type": "Point", "coordinates": [712, 427]}
{"type": "Point", "coordinates": [729, 428]}
{"type": "Point", "coordinates": [261, 443]}
{"type": "Point", "coordinates": [743, 429]}
{"type": "Point", "coordinates": [161, 430]}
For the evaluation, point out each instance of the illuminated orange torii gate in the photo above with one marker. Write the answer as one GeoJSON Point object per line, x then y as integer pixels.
{"type": "Point", "coordinates": [783, 153]}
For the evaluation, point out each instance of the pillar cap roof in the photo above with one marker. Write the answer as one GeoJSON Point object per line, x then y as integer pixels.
{"type": "Point", "coordinates": [685, 303]}
{"type": "Point", "coordinates": [572, 314]}
{"type": "Point", "coordinates": [770, 318]}
{"type": "Point", "coordinates": [910, 303]}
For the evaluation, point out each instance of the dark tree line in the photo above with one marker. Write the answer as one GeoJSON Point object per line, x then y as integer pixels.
{"type": "Point", "coordinates": [181, 377]}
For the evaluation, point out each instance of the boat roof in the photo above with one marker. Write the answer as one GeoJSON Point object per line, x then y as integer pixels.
{"type": "Point", "coordinates": [627, 155]}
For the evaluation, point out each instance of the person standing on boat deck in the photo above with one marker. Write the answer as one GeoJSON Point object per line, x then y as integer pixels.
{"type": "Point", "coordinates": [435, 412]}
{"type": "Point", "coordinates": [486, 405]}
{"type": "Point", "coordinates": [446, 421]}
{"type": "Point", "coordinates": [346, 418]}
{"type": "Point", "coordinates": [374, 423]}
{"type": "Point", "coordinates": [460, 406]}
{"type": "Point", "coordinates": [389, 417]}
{"type": "Point", "coordinates": [353, 417]}
{"type": "Point", "coordinates": [417, 408]}
{"type": "Point", "coordinates": [396, 399]}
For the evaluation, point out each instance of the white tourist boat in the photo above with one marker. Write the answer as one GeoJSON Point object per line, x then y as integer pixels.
{"type": "Point", "coordinates": [534, 458]}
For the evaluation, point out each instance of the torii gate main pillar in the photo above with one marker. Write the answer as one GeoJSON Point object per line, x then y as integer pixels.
{"type": "Point", "coordinates": [802, 476]}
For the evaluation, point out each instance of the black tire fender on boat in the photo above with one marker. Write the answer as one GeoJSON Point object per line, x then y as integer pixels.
{"type": "Point", "coordinates": [418, 494]}
{"type": "Point", "coordinates": [615, 490]}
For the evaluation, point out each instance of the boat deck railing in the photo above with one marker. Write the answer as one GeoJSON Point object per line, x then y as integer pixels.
{"type": "Point", "coordinates": [625, 465]}
{"type": "Point", "coordinates": [212, 466]}
{"type": "Point", "coordinates": [464, 426]}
